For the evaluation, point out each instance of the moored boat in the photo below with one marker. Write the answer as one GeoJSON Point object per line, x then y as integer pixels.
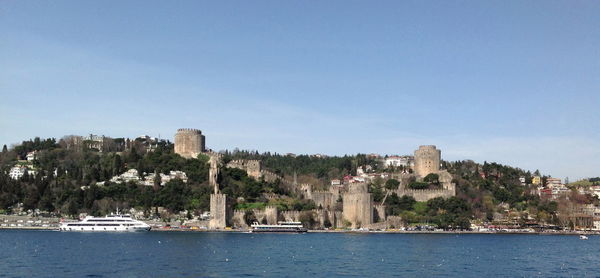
{"type": "Point", "coordinates": [281, 227]}
{"type": "Point", "coordinates": [109, 223]}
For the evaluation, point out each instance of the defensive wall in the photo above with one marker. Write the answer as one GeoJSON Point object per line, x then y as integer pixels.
{"type": "Point", "coordinates": [422, 195]}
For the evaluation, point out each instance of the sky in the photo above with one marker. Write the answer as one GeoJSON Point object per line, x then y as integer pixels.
{"type": "Point", "coordinates": [513, 82]}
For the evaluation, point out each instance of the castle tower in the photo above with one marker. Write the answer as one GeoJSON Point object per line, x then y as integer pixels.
{"type": "Point", "coordinates": [427, 160]}
{"type": "Point", "coordinates": [218, 201]}
{"type": "Point", "coordinates": [213, 172]}
{"type": "Point", "coordinates": [189, 142]}
{"type": "Point", "coordinates": [254, 169]}
{"type": "Point", "coordinates": [218, 211]}
{"type": "Point", "coordinates": [358, 206]}
{"type": "Point", "coordinates": [271, 214]}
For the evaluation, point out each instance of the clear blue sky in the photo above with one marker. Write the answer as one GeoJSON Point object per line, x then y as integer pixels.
{"type": "Point", "coordinates": [516, 82]}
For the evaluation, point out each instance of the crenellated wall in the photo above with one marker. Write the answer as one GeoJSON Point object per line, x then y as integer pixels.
{"type": "Point", "coordinates": [252, 167]}
{"type": "Point", "coordinates": [422, 195]}
{"type": "Point", "coordinates": [323, 199]}
{"type": "Point", "coordinates": [291, 215]}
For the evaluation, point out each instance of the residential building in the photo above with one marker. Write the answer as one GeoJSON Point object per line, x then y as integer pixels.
{"type": "Point", "coordinates": [396, 161]}
{"type": "Point", "coordinates": [31, 156]}
{"type": "Point", "coordinates": [17, 172]}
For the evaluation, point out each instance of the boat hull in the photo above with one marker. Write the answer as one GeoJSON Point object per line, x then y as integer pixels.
{"type": "Point", "coordinates": [102, 229]}
{"type": "Point", "coordinates": [299, 231]}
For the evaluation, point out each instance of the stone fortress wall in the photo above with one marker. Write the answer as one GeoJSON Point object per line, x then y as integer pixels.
{"type": "Point", "coordinates": [322, 199]}
{"type": "Point", "coordinates": [255, 170]}
{"type": "Point", "coordinates": [423, 195]}
{"type": "Point", "coordinates": [189, 142]}
{"type": "Point", "coordinates": [252, 167]}
{"type": "Point", "coordinates": [358, 206]}
{"type": "Point", "coordinates": [269, 215]}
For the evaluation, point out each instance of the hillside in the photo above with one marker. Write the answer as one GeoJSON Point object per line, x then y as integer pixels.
{"type": "Point", "coordinates": [67, 180]}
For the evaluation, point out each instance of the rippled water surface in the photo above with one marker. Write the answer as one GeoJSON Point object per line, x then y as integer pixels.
{"type": "Point", "coordinates": [177, 254]}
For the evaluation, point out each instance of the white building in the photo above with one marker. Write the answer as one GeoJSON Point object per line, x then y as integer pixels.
{"type": "Point", "coordinates": [396, 161]}
{"type": "Point", "coordinates": [130, 175]}
{"type": "Point", "coordinates": [31, 156]}
{"type": "Point", "coordinates": [595, 190]}
{"type": "Point", "coordinates": [173, 175]}
{"type": "Point", "coordinates": [17, 172]}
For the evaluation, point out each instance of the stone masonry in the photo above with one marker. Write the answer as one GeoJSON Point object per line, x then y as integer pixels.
{"type": "Point", "coordinates": [427, 160]}
{"type": "Point", "coordinates": [189, 142]}
{"type": "Point", "coordinates": [218, 201]}
{"type": "Point", "coordinates": [252, 167]}
{"type": "Point", "coordinates": [358, 206]}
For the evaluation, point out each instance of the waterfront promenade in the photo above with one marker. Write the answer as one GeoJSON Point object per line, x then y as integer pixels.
{"type": "Point", "coordinates": [516, 232]}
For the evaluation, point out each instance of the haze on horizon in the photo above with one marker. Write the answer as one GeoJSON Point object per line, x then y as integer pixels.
{"type": "Point", "coordinates": [512, 82]}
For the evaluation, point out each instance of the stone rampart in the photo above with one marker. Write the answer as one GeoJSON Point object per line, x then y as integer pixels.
{"type": "Point", "coordinates": [358, 208]}
{"type": "Point", "coordinates": [271, 215]}
{"type": "Point", "coordinates": [423, 195]}
{"type": "Point", "coordinates": [323, 199]}
{"type": "Point", "coordinates": [252, 167]}
{"type": "Point", "coordinates": [239, 219]}
{"type": "Point", "coordinates": [291, 215]}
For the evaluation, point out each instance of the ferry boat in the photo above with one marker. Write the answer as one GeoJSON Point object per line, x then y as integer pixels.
{"type": "Point", "coordinates": [110, 223]}
{"type": "Point", "coordinates": [281, 227]}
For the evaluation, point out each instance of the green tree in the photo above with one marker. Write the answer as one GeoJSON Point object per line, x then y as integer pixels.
{"type": "Point", "coordinates": [157, 181]}
{"type": "Point", "coordinates": [390, 185]}
{"type": "Point", "coordinates": [249, 217]}
{"type": "Point", "coordinates": [117, 165]}
{"type": "Point", "coordinates": [432, 178]}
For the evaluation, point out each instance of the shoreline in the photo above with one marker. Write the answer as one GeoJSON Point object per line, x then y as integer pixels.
{"type": "Point", "coordinates": [343, 231]}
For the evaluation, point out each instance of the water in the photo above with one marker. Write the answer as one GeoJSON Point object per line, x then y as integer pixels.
{"type": "Point", "coordinates": [176, 254]}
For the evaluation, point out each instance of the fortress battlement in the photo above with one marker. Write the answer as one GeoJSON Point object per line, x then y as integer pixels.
{"type": "Point", "coordinates": [189, 130]}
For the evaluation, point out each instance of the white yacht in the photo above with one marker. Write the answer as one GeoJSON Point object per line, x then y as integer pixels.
{"type": "Point", "coordinates": [109, 223]}
{"type": "Point", "coordinates": [281, 227]}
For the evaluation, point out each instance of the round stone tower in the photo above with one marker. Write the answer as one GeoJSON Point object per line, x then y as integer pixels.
{"type": "Point", "coordinates": [189, 142]}
{"type": "Point", "coordinates": [427, 160]}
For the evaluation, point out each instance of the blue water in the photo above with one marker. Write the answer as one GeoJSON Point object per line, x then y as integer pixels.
{"type": "Point", "coordinates": [177, 254]}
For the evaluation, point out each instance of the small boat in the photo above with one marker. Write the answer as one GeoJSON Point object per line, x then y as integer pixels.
{"type": "Point", "coordinates": [583, 237]}
{"type": "Point", "coordinates": [281, 227]}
